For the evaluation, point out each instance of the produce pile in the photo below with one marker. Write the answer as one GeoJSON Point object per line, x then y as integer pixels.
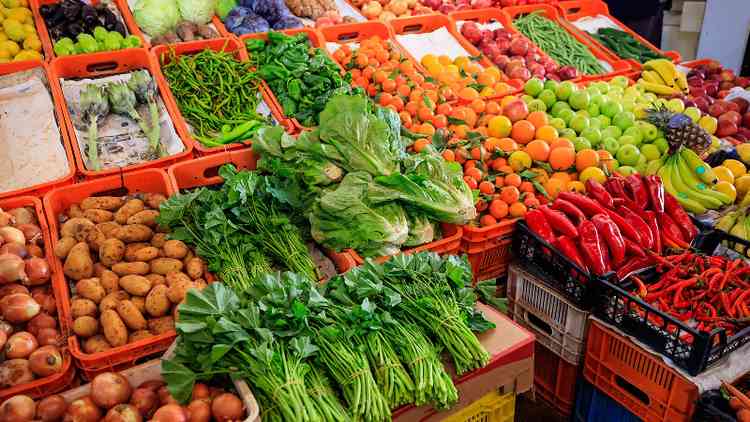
{"type": "Point", "coordinates": [78, 28]}
{"type": "Point", "coordinates": [250, 16]}
{"type": "Point", "coordinates": [125, 274]}
{"type": "Point", "coordinates": [625, 45]}
{"type": "Point", "coordinates": [390, 9]}
{"type": "Point", "coordinates": [169, 21]}
{"type": "Point", "coordinates": [374, 335]}
{"type": "Point", "coordinates": [450, 6]}
{"type": "Point", "coordinates": [30, 329]}
{"type": "Point", "coordinates": [20, 40]}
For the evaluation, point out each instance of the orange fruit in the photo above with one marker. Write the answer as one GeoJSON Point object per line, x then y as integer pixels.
{"type": "Point", "coordinates": [517, 209]}
{"type": "Point", "coordinates": [468, 94]}
{"type": "Point", "coordinates": [449, 155]}
{"type": "Point", "coordinates": [492, 144]}
{"type": "Point", "coordinates": [575, 186]}
{"type": "Point", "coordinates": [507, 145]}
{"type": "Point", "coordinates": [498, 209]}
{"type": "Point", "coordinates": [538, 118]}
{"type": "Point", "coordinates": [561, 142]}
{"type": "Point", "coordinates": [510, 194]}
{"type": "Point", "coordinates": [554, 187]}
{"type": "Point", "coordinates": [546, 133]}
{"type": "Point", "coordinates": [538, 150]}
{"type": "Point", "coordinates": [562, 158]}
{"type": "Point", "coordinates": [523, 132]}
{"type": "Point", "coordinates": [500, 126]}
{"type": "Point", "coordinates": [586, 158]}
{"type": "Point", "coordinates": [492, 107]}
{"type": "Point", "coordinates": [513, 179]}
{"type": "Point", "coordinates": [560, 175]}
{"type": "Point", "coordinates": [526, 187]}
{"type": "Point", "coordinates": [487, 220]}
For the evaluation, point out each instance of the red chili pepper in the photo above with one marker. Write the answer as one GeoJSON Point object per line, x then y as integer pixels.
{"type": "Point", "coordinates": [605, 251]}
{"type": "Point", "coordinates": [740, 299]}
{"type": "Point", "coordinates": [670, 231]}
{"type": "Point", "coordinates": [726, 306]}
{"type": "Point", "coordinates": [538, 224]}
{"type": "Point", "coordinates": [650, 218]}
{"type": "Point", "coordinates": [637, 189]}
{"type": "Point", "coordinates": [616, 188]}
{"type": "Point", "coordinates": [744, 309]}
{"type": "Point", "coordinates": [585, 204]}
{"type": "Point", "coordinates": [626, 229]}
{"type": "Point", "coordinates": [559, 222]}
{"type": "Point", "coordinates": [633, 220]}
{"type": "Point", "coordinates": [568, 248]}
{"type": "Point", "coordinates": [595, 190]}
{"type": "Point", "coordinates": [634, 265]}
{"type": "Point", "coordinates": [615, 242]}
{"type": "Point", "coordinates": [678, 214]}
{"type": "Point", "coordinates": [569, 209]}
{"type": "Point", "coordinates": [655, 192]}
{"type": "Point", "coordinates": [591, 247]}
{"type": "Point", "coordinates": [631, 248]}
{"type": "Point", "coordinates": [642, 290]}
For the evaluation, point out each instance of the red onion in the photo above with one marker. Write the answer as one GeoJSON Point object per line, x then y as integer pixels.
{"type": "Point", "coordinates": [12, 235]}
{"type": "Point", "coordinates": [23, 215]}
{"type": "Point", "coordinates": [32, 233]}
{"type": "Point", "coordinates": [18, 308]}
{"type": "Point", "coordinates": [37, 270]}
{"type": "Point", "coordinates": [12, 269]}
{"type": "Point", "coordinates": [14, 249]}
{"type": "Point", "coordinates": [20, 345]}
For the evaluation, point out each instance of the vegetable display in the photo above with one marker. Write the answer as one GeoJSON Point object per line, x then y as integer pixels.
{"type": "Point", "coordinates": [20, 40]}
{"type": "Point", "coordinates": [359, 334]}
{"type": "Point", "coordinates": [625, 45]}
{"type": "Point", "coordinates": [250, 16]}
{"type": "Point", "coordinates": [301, 77]}
{"type": "Point", "coordinates": [170, 22]}
{"type": "Point", "coordinates": [217, 94]}
{"type": "Point", "coordinates": [127, 275]}
{"type": "Point", "coordinates": [558, 43]}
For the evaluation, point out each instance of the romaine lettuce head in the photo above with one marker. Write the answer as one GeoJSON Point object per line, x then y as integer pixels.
{"type": "Point", "coordinates": [197, 11]}
{"type": "Point", "coordinates": [343, 218]}
{"type": "Point", "coordinates": [156, 17]}
{"type": "Point", "coordinates": [421, 229]}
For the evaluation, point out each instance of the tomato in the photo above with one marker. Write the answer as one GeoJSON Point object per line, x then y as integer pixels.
{"type": "Point", "coordinates": [379, 76]}
{"type": "Point", "coordinates": [470, 182]}
{"type": "Point", "coordinates": [474, 173]}
{"type": "Point", "coordinates": [385, 99]}
{"type": "Point", "coordinates": [487, 188]}
{"type": "Point", "coordinates": [440, 121]}
{"type": "Point", "coordinates": [389, 85]}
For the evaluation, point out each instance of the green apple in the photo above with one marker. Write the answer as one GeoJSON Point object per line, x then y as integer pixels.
{"type": "Point", "coordinates": [567, 115]}
{"type": "Point", "coordinates": [628, 155]}
{"type": "Point", "coordinates": [602, 86]}
{"type": "Point", "coordinates": [630, 96]}
{"type": "Point", "coordinates": [592, 89]}
{"type": "Point", "coordinates": [628, 105]}
{"type": "Point", "coordinates": [650, 151]}
{"type": "Point", "coordinates": [564, 89]}
{"type": "Point", "coordinates": [548, 96]}
{"type": "Point", "coordinates": [536, 105]}
{"type": "Point", "coordinates": [675, 105]}
{"type": "Point", "coordinates": [579, 123]}
{"type": "Point", "coordinates": [604, 120]}
{"type": "Point", "coordinates": [634, 132]}
{"type": "Point", "coordinates": [550, 84]}
{"type": "Point", "coordinates": [611, 145]}
{"type": "Point", "coordinates": [593, 110]}
{"type": "Point", "coordinates": [527, 99]}
{"type": "Point", "coordinates": [558, 107]}
{"type": "Point", "coordinates": [557, 123]}
{"type": "Point", "coordinates": [579, 100]}
{"type": "Point", "coordinates": [662, 144]}
{"type": "Point", "coordinates": [611, 132]}
{"type": "Point", "coordinates": [595, 123]}
{"type": "Point", "coordinates": [626, 170]}
{"type": "Point", "coordinates": [581, 143]}
{"type": "Point", "coordinates": [610, 108]}
{"type": "Point", "coordinates": [620, 81]}
{"type": "Point", "coordinates": [597, 99]}
{"type": "Point", "coordinates": [629, 140]}
{"type": "Point", "coordinates": [623, 120]}
{"type": "Point", "coordinates": [567, 133]}
{"type": "Point", "coordinates": [641, 165]}
{"type": "Point", "coordinates": [650, 97]}
{"type": "Point", "coordinates": [533, 87]}
{"type": "Point", "coordinates": [649, 131]}
{"type": "Point", "coordinates": [593, 135]}
{"type": "Point", "coordinates": [694, 113]}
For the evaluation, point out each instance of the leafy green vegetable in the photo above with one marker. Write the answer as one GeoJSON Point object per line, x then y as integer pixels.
{"type": "Point", "coordinates": [156, 17]}
{"type": "Point", "coordinates": [197, 11]}
{"type": "Point", "coordinates": [421, 229]}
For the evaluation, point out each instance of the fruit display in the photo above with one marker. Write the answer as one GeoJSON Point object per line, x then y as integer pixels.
{"type": "Point", "coordinates": [449, 6]}
{"type": "Point", "coordinates": [385, 10]}
{"type": "Point", "coordinates": [661, 77]}
{"type": "Point", "coordinates": [127, 276]}
{"type": "Point", "coordinates": [19, 39]}
{"type": "Point", "coordinates": [514, 54]}
{"type": "Point", "coordinates": [168, 22]}
{"type": "Point", "coordinates": [693, 183]}
{"type": "Point", "coordinates": [79, 28]}
{"type": "Point", "coordinates": [30, 332]}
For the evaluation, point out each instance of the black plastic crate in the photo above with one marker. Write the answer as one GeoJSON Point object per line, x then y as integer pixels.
{"type": "Point", "coordinates": [713, 407]}
{"type": "Point", "coordinates": [555, 269]}
{"type": "Point", "coordinates": [690, 349]}
{"type": "Point", "coordinates": [708, 241]}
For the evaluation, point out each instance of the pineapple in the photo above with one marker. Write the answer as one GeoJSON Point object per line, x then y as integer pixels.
{"type": "Point", "coordinates": [679, 130]}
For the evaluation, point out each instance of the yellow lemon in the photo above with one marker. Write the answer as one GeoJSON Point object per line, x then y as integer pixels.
{"type": "Point", "coordinates": [727, 189]}
{"type": "Point", "coordinates": [594, 173]}
{"type": "Point", "coordinates": [736, 166]}
{"type": "Point", "coordinates": [429, 60]}
{"type": "Point", "coordinates": [519, 161]}
{"type": "Point", "coordinates": [499, 127]}
{"type": "Point", "coordinates": [709, 124]}
{"type": "Point", "coordinates": [32, 43]}
{"type": "Point", "coordinates": [743, 150]}
{"type": "Point", "coordinates": [575, 186]}
{"type": "Point", "coordinates": [723, 173]}
{"type": "Point", "coordinates": [742, 184]}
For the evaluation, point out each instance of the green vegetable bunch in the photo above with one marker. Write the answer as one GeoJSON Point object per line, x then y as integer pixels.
{"type": "Point", "coordinates": [625, 45]}
{"type": "Point", "coordinates": [101, 40]}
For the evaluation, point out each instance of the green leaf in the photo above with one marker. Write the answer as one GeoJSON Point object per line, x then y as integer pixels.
{"type": "Point", "coordinates": [179, 378]}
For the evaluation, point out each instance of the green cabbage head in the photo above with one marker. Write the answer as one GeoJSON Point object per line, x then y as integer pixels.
{"type": "Point", "coordinates": [156, 17]}
{"type": "Point", "coordinates": [197, 11]}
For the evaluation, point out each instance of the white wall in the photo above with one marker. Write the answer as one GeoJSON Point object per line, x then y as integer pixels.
{"type": "Point", "coordinates": [726, 25]}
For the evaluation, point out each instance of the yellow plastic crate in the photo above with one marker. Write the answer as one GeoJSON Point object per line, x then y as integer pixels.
{"type": "Point", "coordinates": [494, 407]}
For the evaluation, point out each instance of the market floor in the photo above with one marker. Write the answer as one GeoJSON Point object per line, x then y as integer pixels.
{"type": "Point", "coordinates": [529, 410]}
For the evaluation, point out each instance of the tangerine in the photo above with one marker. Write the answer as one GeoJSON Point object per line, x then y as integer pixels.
{"type": "Point", "coordinates": [538, 150]}
{"type": "Point", "coordinates": [562, 158]}
{"type": "Point", "coordinates": [523, 132]}
{"type": "Point", "coordinates": [538, 118]}
{"type": "Point", "coordinates": [546, 133]}
{"type": "Point", "coordinates": [586, 158]}
{"type": "Point", "coordinates": [517, 209]}
{"type": "Point", "coordinates": [498, 208]}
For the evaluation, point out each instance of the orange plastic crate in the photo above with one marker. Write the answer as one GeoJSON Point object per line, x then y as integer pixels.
{"type": "Point", "coordinates": [555, 379]}
{"type": "Point", "coordinates": [57, 201]}
{"type": "Point", "coordinates": [42, 188]}
{"type": "Point", "coordinates": [43, 387]}
{"type": "Point", "coordinates": [636, 378]}
{"type": "Point", "coordinates": [205, 172]}
{"type": "Point", "coordinates": [106, 64]}
{"type": "Point", "coordinates": [488, 248]}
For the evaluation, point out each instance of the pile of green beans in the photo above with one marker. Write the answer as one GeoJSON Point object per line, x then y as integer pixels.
{"type": "Point", "coordinates": [558, 43]}
{"type": "Point", "coordinates": [214, 91]}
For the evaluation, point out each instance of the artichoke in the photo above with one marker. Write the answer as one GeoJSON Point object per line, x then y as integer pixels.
{"type": "Point", "coordinates": [94, 106]}
{"type": "Point", "coordinates": [144, 88]}
{"type": "Point", "coordinates": [123, 102]}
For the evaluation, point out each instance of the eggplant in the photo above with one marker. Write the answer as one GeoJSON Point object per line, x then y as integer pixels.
{"type": "Point", "coordinates": [72, 9]}
{"type": "Point", "coordinates": [74, 29]}
{"type": "Point", "coordinates": [47, 10]}
{"type": "Point", "coordinates": [109, 19]}
{"type": "Point", "coordinates": [88, 16]}
{"type": "Point", "coordinates": [120, 27]}
{"type": "Point", "coordinates": [57, 32]}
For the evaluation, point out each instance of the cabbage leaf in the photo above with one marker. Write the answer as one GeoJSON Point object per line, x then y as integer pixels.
{"type": "Point", "coordinates": [156, 17]}
{"type": "Point", "coordinates": [197, 11]}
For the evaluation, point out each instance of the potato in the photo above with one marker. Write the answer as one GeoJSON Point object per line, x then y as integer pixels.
{"type": "Point", "coordinates": [113, 328]}
{"type": "Point", "coordinates": [98, 216]}
{"type": "Point", "coordinates": [99, 268]}
{"type": "Point", "coordinates": [82, 307]}
{"type": "Point", "coordinates": [111, 252]}
{"type": "Point", "coordinates": [109, 203]}
{"type": "Point", "coordinates": [131, 207]}
{"type": "Point", "coordinates": [190, 255]}
{"type": "Point", "coordinates": [146, 254]}
{"type": "Point", "coordinates": [110, 281]}
{"type": "Point", "coordinates": [157, 302]}
{"type": "Point", "coordinates": [135, 284]}
{"type": "Point", "coordinates": [95, 239]}
{"type": "Point", "coordinates": [111, 300]}
{"type": "Point", "coordinates": [165, 266]}
{"type": "Point", "coordinates": [132, 248]}
{"type": "Point", "coordinates": [78, 264]}
{"type": "Point", "coordinates": [178, 290]}
{"type": "Point", "coordinates": [195, 268]}
{"type": "Point", "coordinates": [175, 249]}
{"type": "Point", "coordinates": [128, 268]}
{"type": "Point", "coordinates": [200, 283]}
{"type": "Point", "coordinates": [177, 276]}
{"type": "Point", "coordinates": [159, 240]}
{"type": "Point", "coordinates": [156, 279]}
{"type": "Point", "coordinates": [130, 315]}
{"type": "Point", "coordinates": [161, 325]}
{"type": "Point", "coordinates": [77, 228]}
{"type": "Point", "coordinates": [134, 233]}
{"type": "Point", "coordinates": [63, 247]}
{"type": "Point", "coordinates": [145, 217]}
{"type": "Point", "coordinates": [89, 288]}
{"type": "Point", "coordinates": [85, 326]}
{"type": "Point", "coordinates": [139, 335]}
{"type": "Point", "coordinates": [154, 200]}
{"type": "Point", "coordinates": [108, 228]}
{"type": "Point", "coordinates": [140, 303]}
{"type": "Point", "coordinates": [96, 344]}
{"type": "Point", "coordinates": [75, 211]}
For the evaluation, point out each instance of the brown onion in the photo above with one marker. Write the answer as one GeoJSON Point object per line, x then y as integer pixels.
{"type": "Point", "coordinates": [32, 233]}
{"type": "Point", "coordinates": [165, 397]}
{"type": "Point", "coordinates": [18, 409]}
{"type": "Point", "coordinates": [12, 235]}
{"type": "Point", "coordinates": [23, 215]}
{"type": "Point", "coordinates": [9, 289]}
{"type": "Point", "coordinates": [12, 269]}
{"type": "Point", "coordinates": [48, 337]}
{"type": "Point", "coordinates": [145, 400]}
{"type": "Point", "coordinates": [45, 300]}
{"type": "Point", "coordinates": [83, 410]}
{"type": "Point", "coordinates": [15, 249]}
{"type": "Point", "coordinates": [15, 372]}
{"type": "Point", "coordinates": [227, 407]}
{"type": "Point", "coordinates": [35, 250]}
{"type": "Point", "coordinates": [37, 270]}
{"type": "Point", "coordinates": [6, 328]}
{"type": "Point", "coordinates": [152, 385]}
{"type": "Point", "coordinates": [200, 391]}
{"type": "Point", "coordinates": [6, 218]}
{"type": "Point", "coordinates": [123, 413]}
{"type": "Point", "coordinates": [170, 413]}
{"type": "Point", "coordinates": [110, 389]}
{"type": "Point", "coordinates": [51, 408]}
{"type": "Point", "coordinates": [18, 308]}
{"type": "Point", "coordinates": [45, 361]}
{"type": "Point", "coordinates": [199, 411]}
{"type": "Point", "coordinates": [20, 345]}
{"type": "Point", "coordinates": [43, 320]}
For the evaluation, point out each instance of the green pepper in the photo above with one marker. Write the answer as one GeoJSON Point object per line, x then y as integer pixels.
{"type": "Point", "coordinates": [254, 44]}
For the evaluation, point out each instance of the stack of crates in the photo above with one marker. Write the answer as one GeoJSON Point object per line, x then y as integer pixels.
{"type": "Point", "coordinates": [560, 328]}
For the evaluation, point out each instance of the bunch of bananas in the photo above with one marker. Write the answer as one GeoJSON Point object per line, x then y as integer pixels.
{"type": "Point", "coordinates": [736, 223]}
{"type": "Point", "coordinates": [692, 182]}
{"type": "Point", "coordinates": [661, 77]}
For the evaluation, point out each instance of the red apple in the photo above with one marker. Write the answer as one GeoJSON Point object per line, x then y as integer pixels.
{"type": "Point", "coordinates": [717, 109]}
{"type": "Point", "coordinates": [726, 85]}
{"type": "Point", "coordinates": [746, 120]}
{"type": "Point", "coordinates": [702, 103]}
{"type": "Point", "coordinates": [516, 110]}
{"type": "Point", "coordinates": [731, 106]}
{"type": "Point", "coordinates": [697, 91]}
{"type": "Point", "coordinates": [731, 116]}
{"type": "Point", "coordinates": [742, 81]}
{"type": "Point", "coordinates": [744, 132]}
{"type": "Point", "coordinates": [722, 94]}
{"type": "Point", "coordinates": [712, 87]}
{"type": "Point", "coordinates": [695, 81]}
{"type": "Point", "coordinates": [726, 128]}
{"type": "Point", "coordinates": [742, 103]}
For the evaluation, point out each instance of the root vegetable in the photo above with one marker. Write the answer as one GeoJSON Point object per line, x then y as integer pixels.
{"type": "Point", "coordinates": [19, 408]}
{"type": "Point", "coordinates": [42, 320]}
{"type": "Point", "coordinates": [46, 301]}
{"type": "Point", "coordinates": [139, 335]}
{"type": "Point", "coordinates": [145, 217]}
{"type": "Point", "coordinates": [110, 281]}
{"type": "Point", "coordinates": [145, 254]}
{"type": "Point", "coordinates": [98, 216]}
{"type": "Point", "coordinates": [90, 288]}
{"type": "Point", "coordinates": [12, 235]}
{"type": "Point", "coordinates": [199, 411]}
{"type": "Point", "coordinates": [18, 308]}
{"type": "Point", "coordinates": [96, 344]}
{"type": "Point", "coordinates": [159, 240]}
{"type": "Point", "coordinates": [83, 410]}
{"type": "Point", "coordinates": [63, 247]}
{"type": "Point", "coordinates": [78, 264]}
{"type": "Point", "coordinates": [45, 361]}
{"type": "Point", "coordinates": [130, 315]}
{"type": "Point", "coordinates": [3, 339]}
{"type": "Point", "coordinates": [6, 328]}
{"type": "Point", "coordinates": [135, 284]}
{"type": "Point", "coordinates": [20, 345]}
{"type": "Point", "coordinates": [165, 266]}
{"type": "Point", "coordinates": [110, 389]}
{"type": "Point", "coordinates": [131, 268]}
{"type": "Point", "coordinates": [15, 249]}
{"type": "Point", "coordinates": [154, 200]}
{"type": "Point", "coordinates": [80, 307]}
{"type": "Point", "coordinates": [85, 326]}
{"type": "Point", "coordinates": [153, 385]}
{"type": "Point", "coordinates": [195, 268]}
{"type": "Point", "coordinates": [37, 270]}
{"type": "Point", "coordinates": [175, 249]}
{"type": "Point", "coordinates": [170, 413]}
{"type": "Point", "coordinates": [145, 401]}
{"type": "Point", "coordinates": [123, 413]}
{"type": "Point", "coordinates": [110, 301]}
{"type": "Point", "coordinates": [111, 251]}
{"type": "Point", "coordinates": [51, 408]}
{"type": "Point", "coordinates": [48, 337]}
{"type": "Point", "coordinates": [23, 215]}
{"type": "Point", "coordinates": [35, 250]}
{"type": "Point", "coordinates": [200, 391]}
{"type": "Point", "coordinates": [108, 203]}
{"type": "Point", "coordinates": [157, 303]}
{"type": "Point", "coordinates": [12, 268]}
{"type": "Point", "coordinates": [165, 397]}
{"type": "Point", "coordinates": [161, 325]}
{"type": "Point", "coordinates": [134, 233]}
{"type": "Point", "coordinates": [77, 228]}
{"type": "Point", "coordinates": [32, 233]}
{"type": "Point", "coordinates": [15, 372]}
{"type": "Point", "coordinates": [9, 289]}
{"type": "Point", "coordinates": [227, 407]}
{"type": "Point", "coordinates": [130, 208]}
{"type": "Point", "coordinates": [114, 329]}
{"type": "Point", "coordinates": [108, 228]}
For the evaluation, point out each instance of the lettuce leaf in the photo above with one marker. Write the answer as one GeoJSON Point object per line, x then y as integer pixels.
{"type": "Point", "coordinates": [421, 229]}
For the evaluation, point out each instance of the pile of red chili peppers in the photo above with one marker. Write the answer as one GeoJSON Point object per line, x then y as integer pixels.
{"type": "Point", "coordinates": [623, 225]}
{"type": "Point", "coordinates": [713, 291]}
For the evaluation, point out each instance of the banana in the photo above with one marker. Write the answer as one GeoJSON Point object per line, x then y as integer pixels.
{"type": "Point", "coordinates": [728, 221]}
{"type": "Point", "coordinates": [697, 184]}
{"type": "Point", "coordinates": [665, 69]}
{"type": "Point", "coordinates": [658, 88]}
{"type": "Point", "coordinates": [665, 172]}
{"type": "Point", "coordinates": [684, 181]}
{"type": "Point", "coordinates": [703, 170]}
{"type": "Point", "coordinates": [739, 230]}
{"type": "Point", "coordinates": [653, 166]}
{"type": "Point", "coordinates": [739, 247]}
{"type": "Point", "coordinates": [682, 82]}
{"type": "Point", "coordinates": [653, 77]}
{"type": "Point", "coordinates": [745, 201]}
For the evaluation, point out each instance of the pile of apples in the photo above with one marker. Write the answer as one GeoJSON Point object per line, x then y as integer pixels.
{"type": "Point", "coordinates": [385, 10]}
{"type": "Point", "coordinates": [515, 55]}
{"type": "Point", "coordinates": [448, 6]}
{"type": "Point", "coordinates": [709, 85]}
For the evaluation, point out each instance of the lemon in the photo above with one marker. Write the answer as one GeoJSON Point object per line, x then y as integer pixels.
{"type": "Point", "coordinates": [10, 46]}
{"type": "Point", "coordinates": [742, 184]}
{"type": "Point", "coordinates": [709, 124]}
{"type": "Point", "coordinates": [727, 189]}
{"type": "Point", "coordinates": [736, 166]}
{"type": "Point", "coordinates": [594, 173]}
{"type": "Point", "coordinates": [27, 55]}
{"type": "Point", "coordinates": [500, 127]}
{"type": "Point", "coordinates": [724, 174]}
{"type": "Point", "coordinates": [14, 29]}
{"type": "Point", "coordinates": [519, 161]}
{"type": "Point", "coordinates": [743, 150]}
{"type": "Point", "coordinates": [575, 186]}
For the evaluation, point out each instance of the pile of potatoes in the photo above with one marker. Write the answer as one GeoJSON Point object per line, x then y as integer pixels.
{"type": "Point", "coordinates": [126, 277]}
